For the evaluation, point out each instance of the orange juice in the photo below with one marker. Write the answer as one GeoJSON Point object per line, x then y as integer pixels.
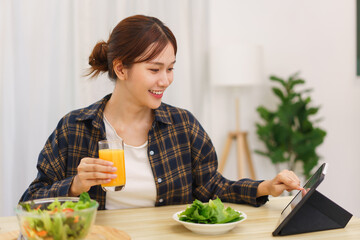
{"type": "Point", "coordinates": [117, 157]}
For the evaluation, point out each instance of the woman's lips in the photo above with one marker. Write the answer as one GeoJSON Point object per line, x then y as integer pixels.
{"type": "Point", "coordinates": [157, 94]}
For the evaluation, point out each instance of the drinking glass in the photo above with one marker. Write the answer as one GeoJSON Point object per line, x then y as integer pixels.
{"type": "Point", "coordinates": [113, 151]}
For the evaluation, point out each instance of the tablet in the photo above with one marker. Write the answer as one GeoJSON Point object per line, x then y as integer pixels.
{"type": "Point", "coordinates": [300, 198]}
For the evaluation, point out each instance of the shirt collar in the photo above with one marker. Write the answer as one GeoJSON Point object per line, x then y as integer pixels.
{"type": "Point", "coordinates": [94, 112]}
{"type": "Point", "coordinates": [162, 114]}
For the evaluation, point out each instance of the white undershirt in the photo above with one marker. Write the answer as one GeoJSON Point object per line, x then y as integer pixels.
{"type": "Point", "coordinates": [140, 188]}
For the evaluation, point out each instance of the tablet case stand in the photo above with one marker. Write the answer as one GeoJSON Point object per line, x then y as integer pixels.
{"type": "Point", "coordinates": [316, 214]}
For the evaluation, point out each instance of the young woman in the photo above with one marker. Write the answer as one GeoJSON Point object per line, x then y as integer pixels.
{"type": "Point", "coordinates": [169, 157]}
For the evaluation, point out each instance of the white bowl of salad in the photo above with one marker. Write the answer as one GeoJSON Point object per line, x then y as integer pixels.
{"type": "Point", "coordinates": [65, 218]}
{"type": "Point", "coordinates": [210, 218]}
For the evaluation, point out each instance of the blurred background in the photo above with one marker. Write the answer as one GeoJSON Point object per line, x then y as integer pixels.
{"type": "Point", "coordinates": [44, 49]}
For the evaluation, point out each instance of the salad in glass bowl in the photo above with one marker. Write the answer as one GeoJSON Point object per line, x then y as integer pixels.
{"type": "Point", "coordinates": [61, 218]}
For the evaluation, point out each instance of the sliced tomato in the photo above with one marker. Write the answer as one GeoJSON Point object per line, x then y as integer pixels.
{"type": "Point", "coordinates": [42, 233]}
{"type": "Point", "coordinates": [54, 211]}
{"type": "Point", "coordinates": [68, 210]}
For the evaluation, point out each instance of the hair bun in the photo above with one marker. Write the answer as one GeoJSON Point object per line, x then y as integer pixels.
{"type": "Point", "coordinates": [98, 59]}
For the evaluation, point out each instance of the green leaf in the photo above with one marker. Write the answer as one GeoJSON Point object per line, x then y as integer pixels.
{"type": "Point", "coordinates": [312, 111]}
{"type": "Point", "coordinates": [279, 93]}
{"type": "Point", "coordinates": [305, 91]}
{"type": "Point", "coordinates": [296, 82]}
{"type": "Point", "coordinates": [293, 76]}
{"type": "Point", "coordinates": [276, 79]}
{"type": "Point", "coordinates": [278, 156]}
{"type": "Point", "coordinates": [85, 197]}
{"type": "Point", "coordinates": [264, 113]}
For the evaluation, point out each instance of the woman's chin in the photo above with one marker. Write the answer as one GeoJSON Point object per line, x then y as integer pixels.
{"type": "Point", "coordinates": [155, 106]}
{"type": "Point", "coordinates": [153, 103]}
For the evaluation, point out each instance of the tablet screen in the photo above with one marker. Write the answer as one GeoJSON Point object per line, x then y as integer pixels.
{"type": "Point", "coordinates": [312, 183]}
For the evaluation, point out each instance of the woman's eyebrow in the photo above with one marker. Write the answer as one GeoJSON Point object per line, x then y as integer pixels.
{"type": "Point", "coordinates": [161, 64]}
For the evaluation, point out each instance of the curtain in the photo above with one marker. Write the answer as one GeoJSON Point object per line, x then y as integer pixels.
{"type": "Point", "coordinates": [44, 49]}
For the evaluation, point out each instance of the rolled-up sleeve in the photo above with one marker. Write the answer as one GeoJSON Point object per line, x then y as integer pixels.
{"type": "Point", "coordinates": [51, 180]}
{"type": "Point", "coordinates": [209, 183]}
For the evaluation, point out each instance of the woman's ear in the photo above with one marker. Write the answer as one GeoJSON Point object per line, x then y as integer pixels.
{"type": "Point", "coordinates": [120, 70]}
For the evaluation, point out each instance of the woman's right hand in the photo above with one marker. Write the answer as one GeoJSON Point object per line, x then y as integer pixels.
{"type": "Point", "coordinates": [91, 172]}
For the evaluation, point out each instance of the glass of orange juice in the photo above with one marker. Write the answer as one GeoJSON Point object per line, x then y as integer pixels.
{"type": "Point", "coordinates": [113, 151]}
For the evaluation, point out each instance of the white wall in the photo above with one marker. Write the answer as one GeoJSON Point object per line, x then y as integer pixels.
{"type": "Point", "coordinates": [317, 38]}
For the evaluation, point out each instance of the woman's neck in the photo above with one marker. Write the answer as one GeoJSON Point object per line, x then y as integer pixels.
{"type": "Point", "coordinates": [131, 121]}
{"type": "Point", "coordinates": [121, 107]}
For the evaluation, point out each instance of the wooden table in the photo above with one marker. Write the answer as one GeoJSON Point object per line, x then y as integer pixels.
{"type": "Point", "coordinates": [157, 223]}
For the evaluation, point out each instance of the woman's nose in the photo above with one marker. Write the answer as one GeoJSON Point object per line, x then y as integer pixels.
{"type": "Point", "coordinates": [165, 79]}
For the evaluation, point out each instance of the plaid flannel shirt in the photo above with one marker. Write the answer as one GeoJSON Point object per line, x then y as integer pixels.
{"type": "Point", "coordinates": [181, 154]}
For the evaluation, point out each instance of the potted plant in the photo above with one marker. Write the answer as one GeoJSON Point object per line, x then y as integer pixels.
{"type": "Point", "coordinates": [290, 133]}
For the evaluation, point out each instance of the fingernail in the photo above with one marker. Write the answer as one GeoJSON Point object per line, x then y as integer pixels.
{"type": "Point", "coordinates": [113, 176]}
{"type": "Point", "coordinates": [110, 163]}
{"type": "Point", "coordinates": [107, 180]}
{"type": "Point", "coordinates": [114, 169]}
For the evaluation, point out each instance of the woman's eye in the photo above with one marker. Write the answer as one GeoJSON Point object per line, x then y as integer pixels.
{"type": "Point", "coordinates": [154, 70]}
{"type": "Point", "coordinates": [171, 69]}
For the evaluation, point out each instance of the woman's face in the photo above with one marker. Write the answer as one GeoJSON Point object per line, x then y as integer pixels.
{"type": "Point", "coordinates": [146, 82]}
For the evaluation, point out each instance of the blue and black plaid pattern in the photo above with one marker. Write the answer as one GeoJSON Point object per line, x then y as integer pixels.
{"type": "Point", "coordinates": [181, 154]}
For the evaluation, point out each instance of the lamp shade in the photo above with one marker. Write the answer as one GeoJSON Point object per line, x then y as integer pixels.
{"type": "Point", "coordinates": [236, 65]}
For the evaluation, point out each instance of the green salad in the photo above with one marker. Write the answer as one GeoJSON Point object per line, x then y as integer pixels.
{"type": "Point", "coordinates": [58, 221]}
{"type": "Point", "coordinates": [213, 212]}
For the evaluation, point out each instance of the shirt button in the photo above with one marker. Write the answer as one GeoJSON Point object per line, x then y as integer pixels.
{"type": "Point", "coordinates": [151, 152]}
{"type": "Point", "coordinates": [161, 200]}
{"type": "Point", "coordinates": [159, 180]}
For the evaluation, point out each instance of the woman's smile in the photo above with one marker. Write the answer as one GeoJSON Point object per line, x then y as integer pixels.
{"type": "Point", "coordinates": [157, 93]}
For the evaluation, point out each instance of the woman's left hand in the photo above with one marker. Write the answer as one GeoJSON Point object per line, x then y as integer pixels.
{"type": "Point", "coordinates": [285, 180]}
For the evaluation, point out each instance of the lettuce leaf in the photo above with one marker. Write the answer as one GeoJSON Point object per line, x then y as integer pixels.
{"type": "Point", "coordinates": [213, 212]}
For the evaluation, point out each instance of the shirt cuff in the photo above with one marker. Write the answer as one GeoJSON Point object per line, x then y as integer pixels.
{"type": "Point", "coordinates": [252, 191]}
{"type": "Point", "coordinates": [63, 187]}
{"type": "Point", "coordinates": [261, 200]}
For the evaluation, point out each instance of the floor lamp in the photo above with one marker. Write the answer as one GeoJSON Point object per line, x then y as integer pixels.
{"type": "Point", "coordinates": [235, 66]}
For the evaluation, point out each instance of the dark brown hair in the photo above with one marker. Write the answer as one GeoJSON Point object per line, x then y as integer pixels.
{"type": "Point", "coordinates": [129, 40]}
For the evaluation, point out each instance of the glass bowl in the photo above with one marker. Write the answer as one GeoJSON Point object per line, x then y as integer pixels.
{"type": "Point", "coordinates": [62, 224]}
